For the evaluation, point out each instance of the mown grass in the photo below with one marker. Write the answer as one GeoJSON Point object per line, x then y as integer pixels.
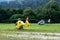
{"type": "Point", "coordinates": [45, 28]}
{"type": "Point", "coordinates": [33, 27]}
{"type": "Point", "coordinates": [9, 28]}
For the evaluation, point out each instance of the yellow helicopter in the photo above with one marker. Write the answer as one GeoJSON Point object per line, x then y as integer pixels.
{"type": "Point", "coordinates": [20, 24]}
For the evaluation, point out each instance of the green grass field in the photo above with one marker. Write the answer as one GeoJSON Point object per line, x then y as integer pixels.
{"type": "Point", "coordinates": [32, 27]}
{"type": "Point", "coordinates": [9, 28]}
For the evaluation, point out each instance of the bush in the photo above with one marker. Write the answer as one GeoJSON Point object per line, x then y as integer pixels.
{"type": "Point", "coordinates": [16, 16]}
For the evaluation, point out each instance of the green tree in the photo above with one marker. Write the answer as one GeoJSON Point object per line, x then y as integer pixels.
{"type": "Point", "coordinates": [38, 13]}
{"type": "Point", "coordinates": [16, 16]}
{"type": "Point", "coordinates": [3, 14]}
{"type": "Point", "coordinates": [29, 12]}
{"type": "Point", "coordinates": [53, 10]}
{"type": "Point", "coordinates": [20, 11]}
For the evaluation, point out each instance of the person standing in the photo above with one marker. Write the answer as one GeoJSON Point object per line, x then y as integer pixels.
{"type": "Point", "coordinates": [27, 22]}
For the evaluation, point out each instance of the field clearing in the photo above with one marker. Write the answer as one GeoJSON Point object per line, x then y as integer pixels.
{"type": "Point", "coordinates": [8, 31]}
{"type": "Point", "coordinates": [33, 27]}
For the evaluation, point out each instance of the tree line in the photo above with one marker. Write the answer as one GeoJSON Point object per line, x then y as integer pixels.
{"type": "Point", "coordinates": [50, 11]}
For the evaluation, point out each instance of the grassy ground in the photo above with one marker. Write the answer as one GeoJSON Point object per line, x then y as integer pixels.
{"type": "Point", "coordinates": [45, 28]}
{"type": "Point", "coordinates": [32, 27]}
{"type": "Point", "coordinates": [9, 28]}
